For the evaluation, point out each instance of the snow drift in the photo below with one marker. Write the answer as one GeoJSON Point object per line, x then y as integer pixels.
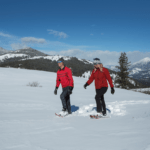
{"type": "Point", "coordinates": [27, 120]}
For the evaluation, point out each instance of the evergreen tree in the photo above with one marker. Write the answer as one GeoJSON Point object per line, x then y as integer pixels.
{"type": "Point", "coordinates": [122, 77]}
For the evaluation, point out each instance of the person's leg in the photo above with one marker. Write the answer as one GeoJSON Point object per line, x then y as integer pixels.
{"type": "Point", "coordinates": [68, 103]}
{"type": "Point", "coordinates": [103, 104]}
{"type": "Point", "coordinates": [99, 94]}
{"type": "Point", "coordinates": [63, 98]}
{"type": "Point", "coordinates": [97, 98]}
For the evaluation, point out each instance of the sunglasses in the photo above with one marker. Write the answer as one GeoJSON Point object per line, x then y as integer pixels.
{"type": "Point", "coordinates": [59, 61]}
{"type": "Point", "coordinates": [96, 63]}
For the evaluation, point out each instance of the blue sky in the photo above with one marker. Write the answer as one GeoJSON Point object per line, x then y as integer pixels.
{"type": "Point", "coordinates": [86, 25]}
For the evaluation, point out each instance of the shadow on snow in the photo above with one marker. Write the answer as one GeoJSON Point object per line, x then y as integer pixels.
{"type": "Point", "coordinates": [74, 108]}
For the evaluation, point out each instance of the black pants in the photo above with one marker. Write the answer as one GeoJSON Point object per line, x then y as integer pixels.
{"type": "Point", "coordinates": [100, 99]}
{"type": "Point", "coordinates": [65, 98]}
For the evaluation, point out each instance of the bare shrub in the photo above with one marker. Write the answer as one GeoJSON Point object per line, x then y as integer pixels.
{"type": "Point", "coordinates": [146, 92]}
{"type": "Point", "coordinates": [34, 84]}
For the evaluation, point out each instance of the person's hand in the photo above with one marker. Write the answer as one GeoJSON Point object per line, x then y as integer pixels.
{"type": "Point", "coordinates": [85, 85]}
{"type": "Point", "coordinates": [95, 68]}
{"type": "Point", "coordinates": [100, 66]}
{"type": "Point", "coordinates": [55, 91]}
{"type": "Point", "coordinates": [70, 90]}
{"type": "Point", "coordinates": [112, 90]}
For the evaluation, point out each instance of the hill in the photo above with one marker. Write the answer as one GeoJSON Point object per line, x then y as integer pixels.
{"type": "Point", "coordinates": [28, 121]}
{"type": "Point", "coordinates": [36, 60]}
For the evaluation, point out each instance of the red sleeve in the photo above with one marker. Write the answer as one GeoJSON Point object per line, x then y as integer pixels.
{"type": "Point", "coordinates": [91, 78]}
{"type": "Point", "coordinates": [108, 77]}
{"type": "Point", "coordinates": [70, 78]}
{"type": "Point", "coordinates": [57, 81]}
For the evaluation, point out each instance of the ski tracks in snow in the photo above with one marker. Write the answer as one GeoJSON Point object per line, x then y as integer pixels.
{"type": "Point", "coordinates": [116, 108]}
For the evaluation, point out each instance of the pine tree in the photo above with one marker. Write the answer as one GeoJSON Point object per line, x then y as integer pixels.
{"type": "Point", "coordinates": [122, 77]}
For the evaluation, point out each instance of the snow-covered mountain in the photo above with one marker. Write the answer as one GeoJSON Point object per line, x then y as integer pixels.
{"type": "Point", "coordinates": [112, 67]}
{"type": "Point", "coordinates": [10, 55]}
{"type": "Point", "coordinates": [28, 121]}
{"type": "Point", "coordinates": [143, 64]}
{"type": "Point", "coordinates": [3, 51]}
{"type": "Point", "coordinates": [32, 59]}
{"type": "Point", "coordinates": [30, 52]}
{"type": "Point", "coordinates": [139, 70]}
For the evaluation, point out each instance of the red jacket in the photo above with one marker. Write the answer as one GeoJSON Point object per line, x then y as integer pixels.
{"type": "Point", "coordinates": [100, 78]}
{"type": "Point", "coordinates": [64, 76]}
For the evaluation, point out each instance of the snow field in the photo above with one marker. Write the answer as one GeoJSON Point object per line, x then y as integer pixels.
{"type": "Point", "coordinates": [27, 120]}
{"type": "Point", "coordinates": [3, 57]}
{"type": "Point", "coordinates": [56, 58]}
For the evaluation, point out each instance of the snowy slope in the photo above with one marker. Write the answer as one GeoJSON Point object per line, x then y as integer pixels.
{"type": "Point", "coordinates": [3, 51]}
{"type": "Point", "coordinates": [142, 65]}
{"type": "Point", "coordinates": [141, 70]}
{"type": "Point", "coordinates": [27, 120]}
{"type": "Point", "coordinates": [7, 56]}
{"type": "Point", "coordinates": [55, 57]}
{"type": "Point", "coordinates": [86, 74]}
{"type": "Point", "coordinates": [142, 61]}
{"type": "Point", "coordinates": [141, 89]}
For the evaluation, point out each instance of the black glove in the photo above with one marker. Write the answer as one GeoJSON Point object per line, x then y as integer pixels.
{"type": "Point", "coordinates": [55, 92]}
{"type": "Point", "coordinates": [85, 85]}
{"type": "Point", "coordinates": [112, 90]}
{"type": "Point", "coordinates": [70, 90]}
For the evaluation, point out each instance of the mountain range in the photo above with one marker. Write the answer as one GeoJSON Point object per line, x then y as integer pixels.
{"type": "Point", "coordinates": [3, 51]}
{"type": "Point", "coordinates": [30, 58]}
{"type": "Point", "coordinates": [139, 70]}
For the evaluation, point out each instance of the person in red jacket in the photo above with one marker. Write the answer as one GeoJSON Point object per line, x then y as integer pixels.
{"type": "Point", "coordinates": [101, 76]}
{"type": "Point", "coordinates": [64, 77]}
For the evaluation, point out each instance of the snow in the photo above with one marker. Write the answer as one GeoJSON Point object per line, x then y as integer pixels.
{"type": "Point", "coordinates": [53, 58]}
{"type": "Point", "coordinates": [27, 120]}
{"type": "Point", "coordinates": [87, 61]}
{"type": "Point", "coordinates": [141, 89]}
{"type": "Point", "coordinates": [142, 61]}
{"type": "Point", "coordinates": [86, 74]}
{"type": "Point", "coordinates": [57, 57]}
{"type": "Point", "coordinates": [3, 57]}
{"type": "Point", "coordinates": [135, 71]}
{"type": "Point", "coordinates": [132, 82]}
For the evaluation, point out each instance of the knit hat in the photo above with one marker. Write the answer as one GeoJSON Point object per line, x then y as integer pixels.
{"type": "Point", "coordinates": [60, 60]}
{"type": "Point", "coordinates": [96, 61]}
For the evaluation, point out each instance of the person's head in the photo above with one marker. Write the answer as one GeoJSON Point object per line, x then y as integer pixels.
{"type": "Point", "coordinates": [97, 63]}
{"type": "Point", "coordinates": [60, 63]}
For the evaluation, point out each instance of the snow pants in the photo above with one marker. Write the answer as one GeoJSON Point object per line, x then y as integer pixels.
{"type": "Point", "coordinates": [100, 99]}
{"type": "Point", "coordinates": [65, 99]}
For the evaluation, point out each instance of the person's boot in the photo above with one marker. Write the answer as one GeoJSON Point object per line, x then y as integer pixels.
{"type": "Point", "coordinates": [99, 113]}
{"type": "Point", "coordinates": [69, 112]}
{"type": "Point", "coordinates": [63, 112]}
{"type": "Point", "coordinates": [64, 109]}
{"type": "Point", "coordinates": [104, 113]}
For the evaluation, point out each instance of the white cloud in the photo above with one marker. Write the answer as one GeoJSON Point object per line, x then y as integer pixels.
{"type": "Point", "coordinates": [33, 40]}
{"type": "Point", "coordinates": [5, 35]}
{"type": "Point", "coordinates": [16, 46]}
{"type": "Point", "coordinates": [106, 57]}
{"type": "Point", "coordinates": [91, 34]}
{"type": "Point", "coordinates": [57, 33]}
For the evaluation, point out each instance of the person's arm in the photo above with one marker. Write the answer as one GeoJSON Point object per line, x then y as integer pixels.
{"type": "Point", "coordinates": [57, 81]}
{"type": "Point", "coordinates": [91, 78]}
{"type": "Point", "coordinates": [70, 78]}
{"type": "Point", "coordinates": [108, 77]}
